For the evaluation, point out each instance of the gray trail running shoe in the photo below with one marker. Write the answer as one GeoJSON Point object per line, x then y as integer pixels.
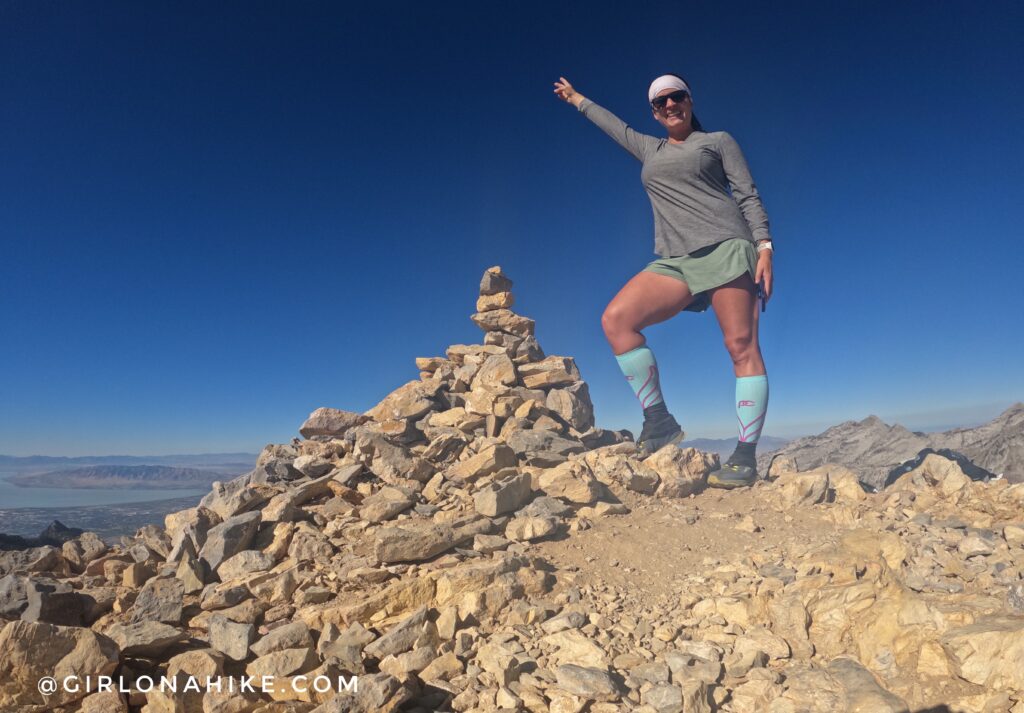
{"type": "Point", "coordinates": [732, 475]}
{"type": "Point", "coordinates": [658, 433]}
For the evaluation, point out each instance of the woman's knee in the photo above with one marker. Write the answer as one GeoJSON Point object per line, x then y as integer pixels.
{"type": "Point", "coordinates": [614, 320]}
{"type": "Point", "coordinates": [740, 346]}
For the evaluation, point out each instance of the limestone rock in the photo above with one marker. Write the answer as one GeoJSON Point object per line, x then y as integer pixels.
{"type": "Point", "coordinates": [415, 543]}
{"type": "Point", "coordinates": [411, 400]}
{"type": "Point", "coordinates": [229, 538]}
{"type": "Point", "coordinates": [233, 639]}
{"type": "Point", "coordinates": [495, 281]}
{"type": "Point", "coordinates": [29, 651]}
{"type": "Point", "coordinates": [550, 372]}
{"type": "Point", "coordinates": [145, 638]}
{"type": "Point", "coordinates": [506, 495]}
{"type": "Point", "coordinates": [503, 320]}
{"type": "Point", "coordinates": [499, 300]}
{"type": "Point", "coordinates": [489, 460]}
{"type": "Point", "coordinates": [989, 651]}
{"type": "Point", "coordinates": [681, 471]}
{"type": "Point", "coordinates": [330, 422]}
{"type": "Point", "coordinates": [573, 405]}
{"type": "Point", "coordinates": [528, 527]}
{"type": "Point", "coordinates": [587, 682]}
{"type": "Point", "coordinates": [161, 599]}
{"type": "Point", "coordinates": [497, 371]}
{"type": "Point", "coordinates": [862, 689]}
{"type": "Point", "coordinates": [802, 488]}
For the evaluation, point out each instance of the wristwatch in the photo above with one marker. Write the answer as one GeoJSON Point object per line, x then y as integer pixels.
{"type": "Point", "coordinates": [765, 245]}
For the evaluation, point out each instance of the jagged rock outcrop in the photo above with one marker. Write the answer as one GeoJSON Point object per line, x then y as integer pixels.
{"type": "Point", "coordinates": [55, 534]}
{"type": "Point", "coordinates": [874, 448]}
{"type": "Point", "coordinates": [400, 546]}
{"type": "Point", "coordinates": [997, 446]}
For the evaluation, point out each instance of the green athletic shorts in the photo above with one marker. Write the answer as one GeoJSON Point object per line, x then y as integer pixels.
{"type": "Point", "coordinates": [708, 267]}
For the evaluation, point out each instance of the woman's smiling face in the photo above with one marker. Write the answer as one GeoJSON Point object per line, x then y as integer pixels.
{"type": "Point", "coordinates": [674, 115]}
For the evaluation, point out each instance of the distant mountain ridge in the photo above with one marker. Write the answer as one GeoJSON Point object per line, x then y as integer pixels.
{"type": "Point", "coordinates": [118, 476]}
{"type": "Point", "coordinates": [8, 462]}
{"type": "Point", "coordinates": [872, 447]}
{"type": "Point", "coordinates": [725, 446]}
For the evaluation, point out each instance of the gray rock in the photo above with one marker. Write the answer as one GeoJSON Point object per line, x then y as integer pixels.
{"type": "Point", "coordinates": [527, 443]}
{"type": "Point", "coordinates": [415, 543]}
{"type": "Point", "coordinates": [34, 559]}
{"type": "Point", "coordinates": [545, 506]}
{"type": "Point", "coordinates": [386, 503]}
{"type": "Point", "coordinates": [234, 497]}
{"type": "Point", "coordinates": [528, 351]}
{"type": "Point", "coordinates": [565, 620]}
{"type": "Point", "coordinates": [495, 281]}
{"type": "Point", "coordinates": [156, 539]}
{"type": "Point", "coordinates": [289, 636]}
{"type": "Point", "coordinates": [1015, 597]}
{"type": "Point", "coordinates": [394, 464]}
{"type": "Point", "coordinates": [145, 638]}
{"type": "Point", "coordinates": [288, 662]}
{"type": "Point", "coordinates": [54, 602]}
{"type": "Point", "coordinates": [345, 645]}
{"type": "Point", "coordinates": [506, 495]}
{"type": "Point", "coordinates": [13, 595]}
{"type": "Point", "coordinates": [229, 538]}
{"type": "Point", "coordinates": [231, 638]}
{"type": "Point", "coordinates": [222, 596]}
{"type": "Point", "coordinates": [593, 684]}
{"type": "Point", "coordinates": [663, 698]}
{"type": "Point", "coordinates": [401, 637]}
{"type": "Point", "coordinates": [863, 692]}
{"type": "Point", "coordinates": [275, 470]}
{"type": "Point", "coordinates": [160, 600]}
{"type": "Point", "coordinates": [309, 544]}
{"type": "Point", "coordinates": [688, 666]}
{"type": "Point", "coordinates": [243, 563]}
{"type": "Point", "coordinates": [977, 543]}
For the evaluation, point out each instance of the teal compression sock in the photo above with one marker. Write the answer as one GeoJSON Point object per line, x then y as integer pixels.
{"type": "Point", "coordinates": [751, 404]}
{"type": "Point", "coordinates": [641, 372]}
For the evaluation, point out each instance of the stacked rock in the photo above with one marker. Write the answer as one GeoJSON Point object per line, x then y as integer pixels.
{"type": "Point", "coordinates": [389, 545]}
{"type": "Point", "coordinates": [400, 546]}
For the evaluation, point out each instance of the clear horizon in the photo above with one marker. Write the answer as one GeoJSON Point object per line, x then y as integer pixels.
{"type": "Point", "coordinates": [220, 217]}
{"type": "Point", "coordinates": [982, 413]}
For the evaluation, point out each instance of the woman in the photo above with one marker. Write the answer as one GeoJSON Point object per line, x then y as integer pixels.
{"type": "Point", "coordinates": [711, 235]}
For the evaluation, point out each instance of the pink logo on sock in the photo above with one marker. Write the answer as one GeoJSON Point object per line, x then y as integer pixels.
{"type": "Point", "coordinates": [745, 403]}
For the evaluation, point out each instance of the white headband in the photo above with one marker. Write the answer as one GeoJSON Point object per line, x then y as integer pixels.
{"type": "Point", "coordinates": [666, 81]}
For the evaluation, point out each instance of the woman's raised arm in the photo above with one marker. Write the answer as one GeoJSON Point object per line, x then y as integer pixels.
{"type": "Point", "coordinates": [625, 136]}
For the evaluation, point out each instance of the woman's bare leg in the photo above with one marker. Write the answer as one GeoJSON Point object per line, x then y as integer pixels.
{"type": "Point", "coordinates": [735, 305]}
{"type": "Point", "coordinates": [648, 298]}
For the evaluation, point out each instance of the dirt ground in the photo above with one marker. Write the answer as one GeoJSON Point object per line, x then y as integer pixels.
{"type": "Point", "coordinates": [659, 540]}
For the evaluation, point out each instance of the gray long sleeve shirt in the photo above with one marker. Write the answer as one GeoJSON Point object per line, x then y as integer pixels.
{"type": "Point", "coordinates": [689, 186]}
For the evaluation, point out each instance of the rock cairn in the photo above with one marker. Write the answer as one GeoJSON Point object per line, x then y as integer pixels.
{"type": "Point", "coordinates": [400, 545]}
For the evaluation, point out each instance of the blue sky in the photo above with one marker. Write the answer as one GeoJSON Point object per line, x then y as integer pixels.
{"type": "Point", "coordinates": [216, 217]}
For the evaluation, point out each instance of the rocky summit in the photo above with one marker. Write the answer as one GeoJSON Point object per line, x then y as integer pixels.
{"type": "Point", "coordinates": [474, 542]}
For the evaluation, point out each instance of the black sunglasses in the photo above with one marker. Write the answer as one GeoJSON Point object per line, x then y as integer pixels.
{"type": "Point", "coordinates": [677, 97]}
